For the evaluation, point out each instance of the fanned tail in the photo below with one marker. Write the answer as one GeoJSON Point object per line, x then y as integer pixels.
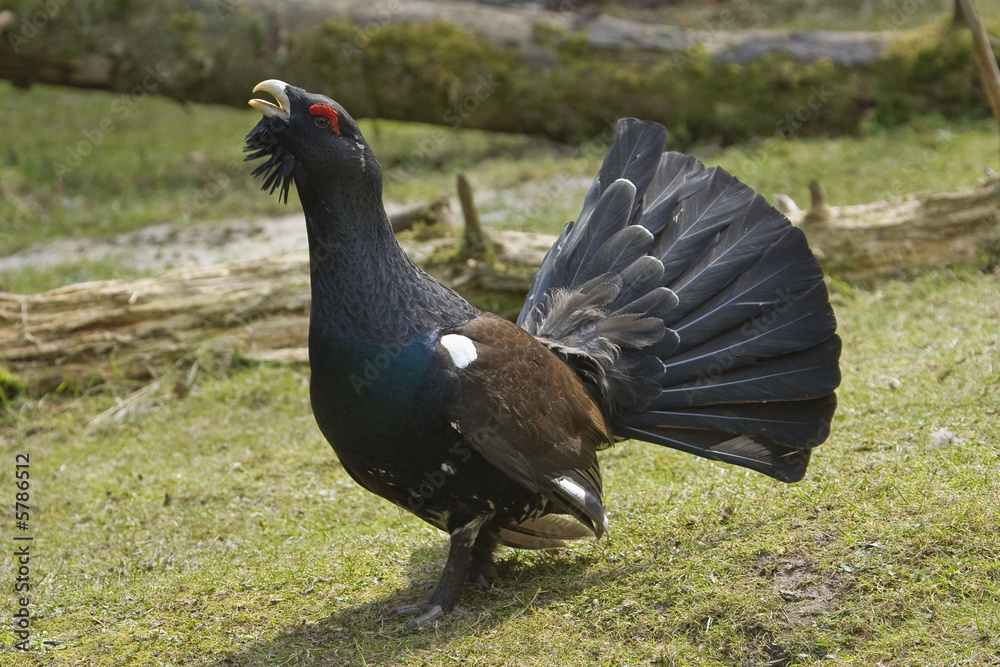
{"type": "Point", "coordinates": [694, 311]}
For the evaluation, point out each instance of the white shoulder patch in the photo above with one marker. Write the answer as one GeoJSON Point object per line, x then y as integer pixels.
{"type": "Point", "coordinates": [462, 349]}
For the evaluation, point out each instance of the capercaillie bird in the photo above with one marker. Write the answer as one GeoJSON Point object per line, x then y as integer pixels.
{"type": "Point", "coordinates": [679, 309]}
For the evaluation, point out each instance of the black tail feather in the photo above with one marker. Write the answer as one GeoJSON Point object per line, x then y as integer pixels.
{"type": "Point", "coordinates": [634, 158]}
{"type": "Point", "coordinates": [592, 233]}
{"type": "Point", "coordinates": [786, 327]}
{"type": "Point", "coordinates": [786, 464]}
{"type": "Point", "coordinates": [678, 177]}
{"type": "Point", "coordinates": [792, 376]}
{"type": "Point", "coordinates": [621, 250]}
{"type": "Point", "coordinates": [695, 311]}
{"type": "Point", "coordinates": [736, 247]}
{"type": "Point", "coordinates": [786, 422]}
{"type": "Point", "coordinates": [691, 237]}
{"type": "Point", "coordinates": [786, 270]}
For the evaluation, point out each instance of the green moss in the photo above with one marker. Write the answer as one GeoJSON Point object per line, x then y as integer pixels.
{"type": "Point", "coordinates": [439, 73]}
{"type": "Point", "coordinates": [10, 385]}
{"type": "Point", "coordinates": [434, 72]}
{"type": "Point", "coordinates": [561, 86]}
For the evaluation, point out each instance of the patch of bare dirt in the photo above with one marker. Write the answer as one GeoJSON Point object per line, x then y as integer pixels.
{"type": "Point", "coordinates": [807, 592]}
{"type": "Point", "coordinates": [163, 246]}
{"type": "Point", "coordinates": [159, 247]}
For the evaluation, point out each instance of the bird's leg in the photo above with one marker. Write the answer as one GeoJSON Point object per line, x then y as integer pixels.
{"type": "Point", "coordinates": [449, 586]}
{"type": "Point", "coordinates": [482, 571]}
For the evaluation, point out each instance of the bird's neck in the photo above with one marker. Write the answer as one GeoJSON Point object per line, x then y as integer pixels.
{"type": "Point", "coordinates": [364, 287]}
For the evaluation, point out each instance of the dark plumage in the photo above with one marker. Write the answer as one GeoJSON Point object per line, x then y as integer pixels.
{"type": "Point", "coordinates": [680, 309]}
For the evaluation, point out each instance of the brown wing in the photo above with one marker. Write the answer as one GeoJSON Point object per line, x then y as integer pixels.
{"type": "Point", "coordinates": [527, 413]}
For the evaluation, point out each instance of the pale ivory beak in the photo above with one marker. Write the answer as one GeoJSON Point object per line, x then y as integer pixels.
{"type": "Point", "coordinates": [269, 109]}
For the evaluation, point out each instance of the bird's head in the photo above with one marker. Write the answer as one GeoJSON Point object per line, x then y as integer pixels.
{"type": "Point", "coordinates": [307, 138]}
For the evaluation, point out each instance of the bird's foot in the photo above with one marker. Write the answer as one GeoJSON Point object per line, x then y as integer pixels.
{"type": "Point", "coordinates": [483, 574]}
{"type": "Point", "coordinates": [428, 612]}
{"type": "Point", "coordinates": [461, 562]}
{"type": "Point", "coordinates": [482, 571]}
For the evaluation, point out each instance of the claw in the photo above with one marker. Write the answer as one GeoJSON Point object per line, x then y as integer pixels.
{"type": "Point", "coordinates": [434, 612]}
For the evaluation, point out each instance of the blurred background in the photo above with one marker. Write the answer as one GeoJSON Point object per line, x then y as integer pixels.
{"type": "Point", "coordinates": [126, 116]}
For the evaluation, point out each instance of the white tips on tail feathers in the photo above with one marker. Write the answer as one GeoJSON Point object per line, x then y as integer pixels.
{"type": "Point", "coordinates": [461, 348]}
{"type": "Point", "coordinates": [573, 490]}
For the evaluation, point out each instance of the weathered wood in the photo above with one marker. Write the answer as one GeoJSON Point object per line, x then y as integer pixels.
{"type": "Point", "coordinates": [255, 310]}
{"type": "Point", "coordinates": [475, 242]}
{"type": "Point", "coordinates": [921, 230]}
{"type": "Point", "coordinates": [135, 329]}
{"type": "Point", "coordinates": [258, 310]}
{"type": "Point", "coordinates": [985, 60]}
{"type": "Point", "coordinates": [438, 212]}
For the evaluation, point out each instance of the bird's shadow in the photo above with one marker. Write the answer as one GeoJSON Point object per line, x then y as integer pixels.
{"type": "Point", "coordinates": [525, 582]}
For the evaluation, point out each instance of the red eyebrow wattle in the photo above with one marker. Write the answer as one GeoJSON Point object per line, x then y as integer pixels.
{"type": "Point", "coordinates": [329, 113]}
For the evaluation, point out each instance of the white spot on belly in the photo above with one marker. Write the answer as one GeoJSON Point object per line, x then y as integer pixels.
{"type": "Point", "coordinates": [447, 468]}
{"type": "Point", "coordinates": [462, 349]}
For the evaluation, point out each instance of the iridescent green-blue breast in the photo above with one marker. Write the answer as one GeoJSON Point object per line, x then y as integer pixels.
{"type": "Point", "coordinates": [367, 390]}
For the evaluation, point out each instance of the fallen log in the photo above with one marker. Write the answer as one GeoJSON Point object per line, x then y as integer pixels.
{"type": "Point", "coordinates": [257, 311]}
{"type": "Point", "coordinates": [929, 230]}
{"type": "Point", "coordinates": [140, 46]}
{"type": "Point", "coordinates": [511, 69]}
{"type": "Point", "coordinates": [88, 333]}
{"type": "Point", "coordinates": [438, 212]}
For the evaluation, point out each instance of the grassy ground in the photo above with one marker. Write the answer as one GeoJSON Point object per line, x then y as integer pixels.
{"type": "Point", "coordinates": [97, 164]}
{"type": "Point", "coordinates": [218, 529]}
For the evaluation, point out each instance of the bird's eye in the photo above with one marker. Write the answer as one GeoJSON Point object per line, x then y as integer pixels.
{"type": "Point", "coordinates": [325, 117]}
